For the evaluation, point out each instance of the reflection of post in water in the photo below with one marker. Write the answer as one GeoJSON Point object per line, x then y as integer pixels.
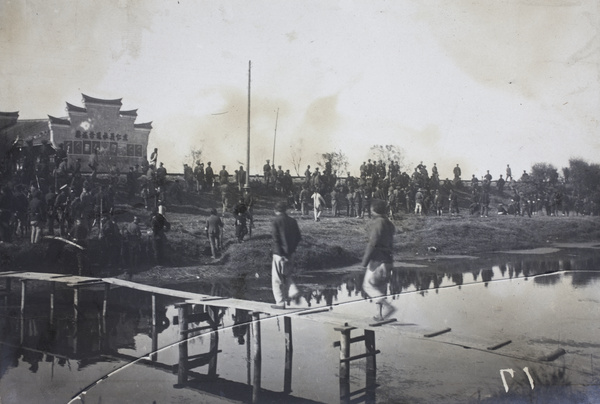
{"type": "Point", "coordinates": [7, 290]}
{"type": "Point", "coordinates": [289, 351]}
{"type": "Point", "coordinates": [212, 315]}
{"type": "Point", "coordinates": [215, 319]}
{"type": "Point", "coordinates": [256, 357]}
{"type": "Point", "coordinates": [105, 306]}
{"type": "Point", "coordinates": [153, 356]}
{"type": "Point", "coordinates": [371, 367]}
{"type": "Point", "coordinates": [183, 345]}
{"type": "Point", "coordinates": [75, 317]}
{"type": "Point", "coordinates": [248, 356]}
{"type": "Point", "coordinates": [52, 294]}
{"type": "Point", "coordinates": [22, 312]}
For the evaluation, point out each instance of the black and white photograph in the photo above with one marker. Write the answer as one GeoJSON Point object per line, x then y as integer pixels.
{"type": "Point", "coordinates": [299, 201]}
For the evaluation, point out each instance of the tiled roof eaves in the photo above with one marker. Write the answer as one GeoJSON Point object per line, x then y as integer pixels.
{"type": "Point", "coordinates": [59, 121]}
{"type": "Point", "coordinates": [92, 100]}
{"type": "Point", "coordinates": [146, 125]}
{"type": "Point", "coordinates": [73, 108]}
{"type": "Point", "coordinates": [133, 112]}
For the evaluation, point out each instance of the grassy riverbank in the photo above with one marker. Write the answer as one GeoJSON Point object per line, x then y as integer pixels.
{"type": "Point", "coordinates": [330, 243]}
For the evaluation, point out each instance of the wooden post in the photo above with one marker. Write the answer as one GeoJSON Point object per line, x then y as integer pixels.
{"type": "Point", "coordinates": [344, 367]}
{"type": "Point", "coordinates": [256, 357]}
{"type": "Point", "coordinates": [153, 355]}
{"type": "Point", "coordinates": [7, 289]}
{"type": "Point", "coordinates": [371, 371]}
{"type": "Point", "coordinates": [23, 290]}
{"type": "Point", "coordinates": [183, 345]}
{"type": "Point", "coordinates": [76, 303]}
{"type": "Point", "coordinates": [105, 302]}
{"type": "Point", "coordinates": [214, 341]}
{"type": "Point", "coordinates": [289, 352]}
{"type": "Point", "coordinates": [75, 317]}
{"type": "Point", "coordinates": [52, 292]}
{"type": "Point", "coordinates": [344, 362]}
{"type": "Point", "coordinates": [248, 140]}
{"type": "Point", "coordinates": [248, 356]}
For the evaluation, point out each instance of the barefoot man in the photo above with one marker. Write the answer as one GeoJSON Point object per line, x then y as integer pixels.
{"type": "Point", "coordinates": [378, 259]}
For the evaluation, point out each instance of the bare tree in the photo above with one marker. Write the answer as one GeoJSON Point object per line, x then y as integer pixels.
{"type": "Point", "coordinates": [388, 152]}
{"type": "Point", "coordinates": [336, 161]}
{"type": "Point", "coordinates": [296, 152]}
{"type": "Point", "coordinates": [194, 156]}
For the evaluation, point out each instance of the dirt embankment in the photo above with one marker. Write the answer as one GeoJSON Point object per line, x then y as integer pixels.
{"type": "Point", "coordinates": [330, 243]}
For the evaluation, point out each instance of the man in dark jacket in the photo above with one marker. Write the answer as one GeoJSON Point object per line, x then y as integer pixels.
{"type": "Point", "coordinates": [378, 259]}
{"type": "Point", "coordinates": [214, 230]}
{"type": "Point", "coordinates": [286, 237]}
{"type": "Point", "coordinates": [159, 225]}
{"type": "Point", "coordinates": [209, 175]}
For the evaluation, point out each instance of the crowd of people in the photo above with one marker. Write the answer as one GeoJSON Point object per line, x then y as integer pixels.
{"type": "Point", "coordinates": [421, 193]}
{"type": "Point", "coordinates": [42, 195]}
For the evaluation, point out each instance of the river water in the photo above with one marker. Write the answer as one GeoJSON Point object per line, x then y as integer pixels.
{"type": "Point", "coordinates": [519, 327]}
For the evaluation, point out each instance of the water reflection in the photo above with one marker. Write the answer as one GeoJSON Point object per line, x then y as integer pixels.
{"type": "Point", "coordinates": [345, 285]}
{"type": "Point", "coordinates": [46, 328]}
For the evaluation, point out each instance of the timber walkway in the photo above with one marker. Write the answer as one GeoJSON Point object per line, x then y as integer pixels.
{"type": "Point", "coordinates": [348, 321]}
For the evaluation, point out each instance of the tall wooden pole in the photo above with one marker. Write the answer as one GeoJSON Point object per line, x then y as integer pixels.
{"type": "Point", "coordinates": [275, 136]}
{"type": "Point", "coordinates": [248, 146]}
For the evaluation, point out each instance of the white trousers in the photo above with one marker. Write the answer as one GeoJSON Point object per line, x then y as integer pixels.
{"type": "Point", "coordinates": [281, 279]}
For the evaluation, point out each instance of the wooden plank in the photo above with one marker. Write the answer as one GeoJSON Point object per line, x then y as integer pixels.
{"type": "Point", "coordinates": [553, 356]}
{"type": "Point", "coordinates": [11, 273]}
{"type": "Point", "coordinates": [206, 327]}
{"type": "Point", "coordinates": [248, 305]}
{"type": "Point", "coordinates": [500, 345]}
{"type": "Point", "coordinates": [49, 277]}
{"type": "Point", "coordinates": [435, 334]}
{"type": "Point", "coordinates": [352, 340]}
{"type": "Point", "coordinates": [361, 356]}
{"type": "Point", "coordinates": [382, 322]}
{"type": "Point", "coordinates": [157, 290]}
{"type": "Point", "coordinates": [344, 328]}
{"type": "Point", "coordinates": [313, 311]}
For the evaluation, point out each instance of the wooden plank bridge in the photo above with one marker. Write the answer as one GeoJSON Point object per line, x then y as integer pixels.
{"type": "Point", "coordinates": [342, 320]}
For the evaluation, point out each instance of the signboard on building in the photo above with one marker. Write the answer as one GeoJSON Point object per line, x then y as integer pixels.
{"type": "Point", "coordinates": [101, 126]}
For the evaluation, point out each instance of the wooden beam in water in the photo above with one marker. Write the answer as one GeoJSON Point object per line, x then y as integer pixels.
{"type": "Point", "coordinates": [435, 334]}
{"type": "Point", "coordinates": [553, 356]}
{"type": "Point", "coordinates": [382, 322]}
{"type": "Point", "coordinates": [500, 345]}
{"type": "Point", "coordinates": [352, 340]}
{"type": "Point", "coordinates": [361, 356]}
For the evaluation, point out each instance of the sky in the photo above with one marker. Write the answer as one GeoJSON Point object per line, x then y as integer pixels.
{"type": "Point", "coordinates": [478, 83]}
